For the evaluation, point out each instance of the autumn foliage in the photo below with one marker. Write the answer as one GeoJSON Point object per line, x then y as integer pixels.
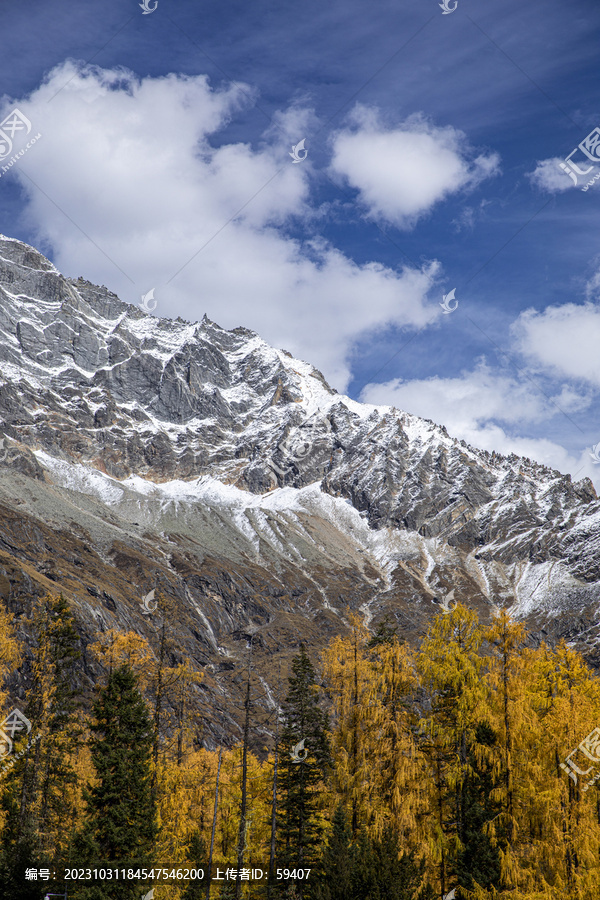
{"type": "Point", "coordinates": [427, 770]}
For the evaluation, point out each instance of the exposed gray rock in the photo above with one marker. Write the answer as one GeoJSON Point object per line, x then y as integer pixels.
{"type": "Point", "coordinates": [386, 510]}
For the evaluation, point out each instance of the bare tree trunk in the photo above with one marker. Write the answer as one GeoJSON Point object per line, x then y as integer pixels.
{"type": "Point", "coordinates": [244, 803]}
{"type": "Point", "coordinates": [273, 811]}
{"type": "Point", "coordinates": [158, 702]}
{"type": "Point", "coordinates": [214, 827]}
{"type": "Point", "coordinates": [354, 750]}
{"type": "Point", "coordinates": [180, 716]}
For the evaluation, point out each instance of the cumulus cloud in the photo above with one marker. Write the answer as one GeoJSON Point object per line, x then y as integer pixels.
{"type": "Point", "coordinates": [548, 176]}
{"type": "Point", "coordinates": [592, 287]}
{"type": "Point", "coordinates": [133, 187]}
{"type": "Point", "coordinates": [562, 339]}
{"type": "Point", "coordinates": [492, 411]}
{"type": "Point", "coordinates": [470, 398]}
{"type": "Point", "coordinates": [401, 172]}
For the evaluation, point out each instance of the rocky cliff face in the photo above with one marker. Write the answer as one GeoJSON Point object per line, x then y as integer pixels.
{"type": "Point", "coordinates": [142, 453]}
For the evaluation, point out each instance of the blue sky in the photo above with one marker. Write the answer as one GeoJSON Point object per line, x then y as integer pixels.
{"type": "Point", "coordinates": [433, 148]}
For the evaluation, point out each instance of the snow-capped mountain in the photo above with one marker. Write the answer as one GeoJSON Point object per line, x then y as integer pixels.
{"type": "Point", "coordinates": [141, 452]}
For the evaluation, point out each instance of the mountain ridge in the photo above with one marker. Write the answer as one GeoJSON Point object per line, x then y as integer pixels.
{"type": "Point", "coordinates": [235, 476]}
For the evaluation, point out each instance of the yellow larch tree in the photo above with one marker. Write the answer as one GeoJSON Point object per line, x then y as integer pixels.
{"type": "Point", "coordinates": [450, 667]}
{"type": "Point", "coordinates": [10, 655]}
{"type": "Point", "coordinates": [563, 812]}
{"type": "Point", "coordinates": [114, 648]}
{"type": "Point", "coordinates": [185, 805]}
{"type": "Point", "coordinates": [398, 777]}
{"type": "Point", "coordinates": [348, 675]}
{"type": "Point", "coordinates": [512, 715]}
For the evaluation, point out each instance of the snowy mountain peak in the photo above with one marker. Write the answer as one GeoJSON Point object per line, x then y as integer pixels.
{"type": "Point", "coordinates": [136, 412]}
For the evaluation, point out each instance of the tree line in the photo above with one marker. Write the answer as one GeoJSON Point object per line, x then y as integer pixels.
{"type": "Point", "coordinates": [394, 773]}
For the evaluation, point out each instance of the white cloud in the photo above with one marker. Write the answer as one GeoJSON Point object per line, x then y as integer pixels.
{"type": "Point", "coordinates": [401, 172]}
{"type": "Point", "coordinates": [564, 339]}
{"type": "Point", "coordinates": [592, 287]}
{"type": "Point", "coordinates": [466, 400]}
{"type": "Point", "coordinates": [548, 176]}
{"type": "Point", "coordinates": [137, 164]}
{"type": "Point", "coordinates": [491, 411]}
{"type": "Point", "coordinates": [141, 167]}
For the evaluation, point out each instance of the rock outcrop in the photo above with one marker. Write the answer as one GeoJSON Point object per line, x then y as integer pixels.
{"type": "Point", "coordinates": [142, 453]}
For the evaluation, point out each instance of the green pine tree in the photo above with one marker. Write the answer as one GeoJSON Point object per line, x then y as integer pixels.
{"type": "Point", "coordinates": [196, 858]}
{"type": "Point", "coordinates": [478, 860]}
{"type": "Point", "coordinates": [334, 874]}
{"type": "Point", "coordinates": [120, 828]}
{"type": "Point", "coordinates": [58, 778]}
{"type": "Point", "coordinates": [383, 634]}
{"type": "Point", "coordinates": [381, 872]}
{"type": "Point", "coordinates": [38, 795]}
{"type": "Point", "coordinates": [302, 778]}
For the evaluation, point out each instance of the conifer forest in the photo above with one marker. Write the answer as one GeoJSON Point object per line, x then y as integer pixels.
{"type": "Point", "coordinates": [462, 769]}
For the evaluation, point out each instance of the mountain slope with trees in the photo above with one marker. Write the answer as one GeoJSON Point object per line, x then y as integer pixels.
{"type": "Point", "coordinates": [421, 773]}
